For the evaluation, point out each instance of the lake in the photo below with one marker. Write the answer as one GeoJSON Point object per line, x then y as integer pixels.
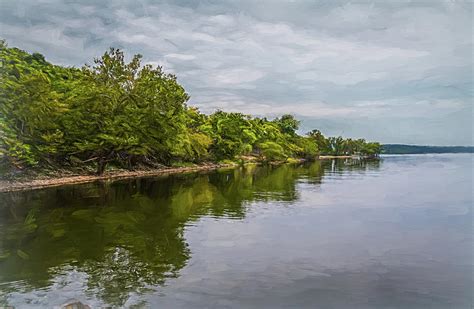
{"type": "Point", "coordinates": [394, 233]}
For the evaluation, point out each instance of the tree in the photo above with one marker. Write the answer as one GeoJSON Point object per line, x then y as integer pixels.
{"type": "Point", "coordinates": [308, 148]}
{"type": "Point", "coordinates": [232, 134]}
{"type": "Point", "coordinates": [372, 149]}
{"type": "Point", "coordinates": [30, 108]}
{"type": "Point", "coordinates": [336, 145]}
{"type": "Point", "coordinates": [321, 141]}
{"type": "Point", "coordinates": [133, 113]}
{"type": "Point", "coordinates": [288, 124]}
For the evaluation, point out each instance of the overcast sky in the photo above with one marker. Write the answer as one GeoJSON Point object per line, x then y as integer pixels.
{"type": "Point", "coordinates": [396, 72]}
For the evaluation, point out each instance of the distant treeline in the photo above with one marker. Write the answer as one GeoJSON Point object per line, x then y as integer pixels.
{"type": "Point", "coordinates": [414, 149]}
{"type": "Point", "coordinates": [129, 115]}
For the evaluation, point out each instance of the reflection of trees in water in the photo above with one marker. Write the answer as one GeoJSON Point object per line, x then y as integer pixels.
{"type": "Point", "coordinates": [127, 235]}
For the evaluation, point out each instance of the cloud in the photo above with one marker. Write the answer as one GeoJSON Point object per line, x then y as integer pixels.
{"type": "Point", "coordinates": [180, 57]}
{"type": "Point", "coordinates": [366, 62]}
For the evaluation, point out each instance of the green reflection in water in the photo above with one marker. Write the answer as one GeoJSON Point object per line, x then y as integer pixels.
{"type": "Point", "coordinates": [127, 236]}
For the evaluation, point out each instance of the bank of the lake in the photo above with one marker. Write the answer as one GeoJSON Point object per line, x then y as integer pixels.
{"type": "Point", "coordinates": [39, 180]}
{"type": "Point", "coordinates": [67, 178]}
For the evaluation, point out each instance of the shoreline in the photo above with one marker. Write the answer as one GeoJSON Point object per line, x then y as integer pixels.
{"type": "Point", "coordinates": [48, 182]}
{"type": "Point", "coordinates": [56, 181]}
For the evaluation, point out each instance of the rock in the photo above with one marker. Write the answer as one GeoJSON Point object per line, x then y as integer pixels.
{"type": "Point", "coordinates": [74, 304]}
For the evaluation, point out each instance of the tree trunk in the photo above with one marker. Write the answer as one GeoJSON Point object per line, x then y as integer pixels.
{"type": "Point", "coordinates": [101, 163]}
{"type": "Point", "coordinates": [130, 162]}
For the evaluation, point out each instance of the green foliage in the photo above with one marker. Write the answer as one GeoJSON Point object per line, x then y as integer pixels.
{"type": "Point", "coordinates": [372, 149]}
{"type": "Point", "coordinates": [134, 113]}
{"type": "Point", "coordinates": [198, 147]}
{"type": "Point", "coordinates": [31, 107]}
{"type": "Point", "coordinates": [339, 146]}
{"type": "Point", "coordinates": [288, 124]}
{"type": "Point", "coordinates": [232, 134]}
{"type": "Point", "coordinates": [129, 114]}
{"type": "Point", "coordinates": [308, 148]}
{"type": "Point", "coordinates": [320, 140]}
{"type": "Point", "coordinates": [111, 111]}
{"type": "Point", "coordinates": [271, 151]}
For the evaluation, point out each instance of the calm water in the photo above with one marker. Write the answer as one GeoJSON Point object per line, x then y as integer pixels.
{"type": "Point", "coordinates": [390, 234]}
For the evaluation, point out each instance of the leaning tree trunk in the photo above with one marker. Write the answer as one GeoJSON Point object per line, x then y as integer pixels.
{"type": "Point", "coordinates": [130, 162]}
{"type": "Point", "coordinates": [101, 164]}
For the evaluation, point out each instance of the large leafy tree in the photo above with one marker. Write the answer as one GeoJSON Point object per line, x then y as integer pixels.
{"type": "Point", "coordinates": [232, 134]}
{"type": "Point", "coordinates": [32, 105]}
{"type": "Point", "coordinates": [133, 113]}
{"type": "Point", "coordinates": [288, 124]}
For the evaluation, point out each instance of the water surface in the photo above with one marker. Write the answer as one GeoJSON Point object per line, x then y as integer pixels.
{"type": "Point", "coordinates": [395, 233]}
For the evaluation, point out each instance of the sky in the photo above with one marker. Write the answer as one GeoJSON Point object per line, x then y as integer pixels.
{"type": "Point", "coordinates": [390, 71]}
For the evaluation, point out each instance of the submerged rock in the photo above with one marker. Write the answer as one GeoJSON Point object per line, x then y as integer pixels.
{"type": "Point", "coordinates": [74, 304]}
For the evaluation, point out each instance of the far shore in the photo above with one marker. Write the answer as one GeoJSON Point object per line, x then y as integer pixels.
{"type": "Point", "coordinates": [41, 182]}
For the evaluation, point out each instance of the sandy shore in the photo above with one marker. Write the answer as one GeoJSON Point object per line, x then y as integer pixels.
{"type": "Point", "coordinates": [44, 182]}
{"type": "Point", "coordinates": [54, 181]}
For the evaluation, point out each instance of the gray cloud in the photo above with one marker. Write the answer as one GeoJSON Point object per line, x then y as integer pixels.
{"type": "Point", "coordinates": [395, 71]}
